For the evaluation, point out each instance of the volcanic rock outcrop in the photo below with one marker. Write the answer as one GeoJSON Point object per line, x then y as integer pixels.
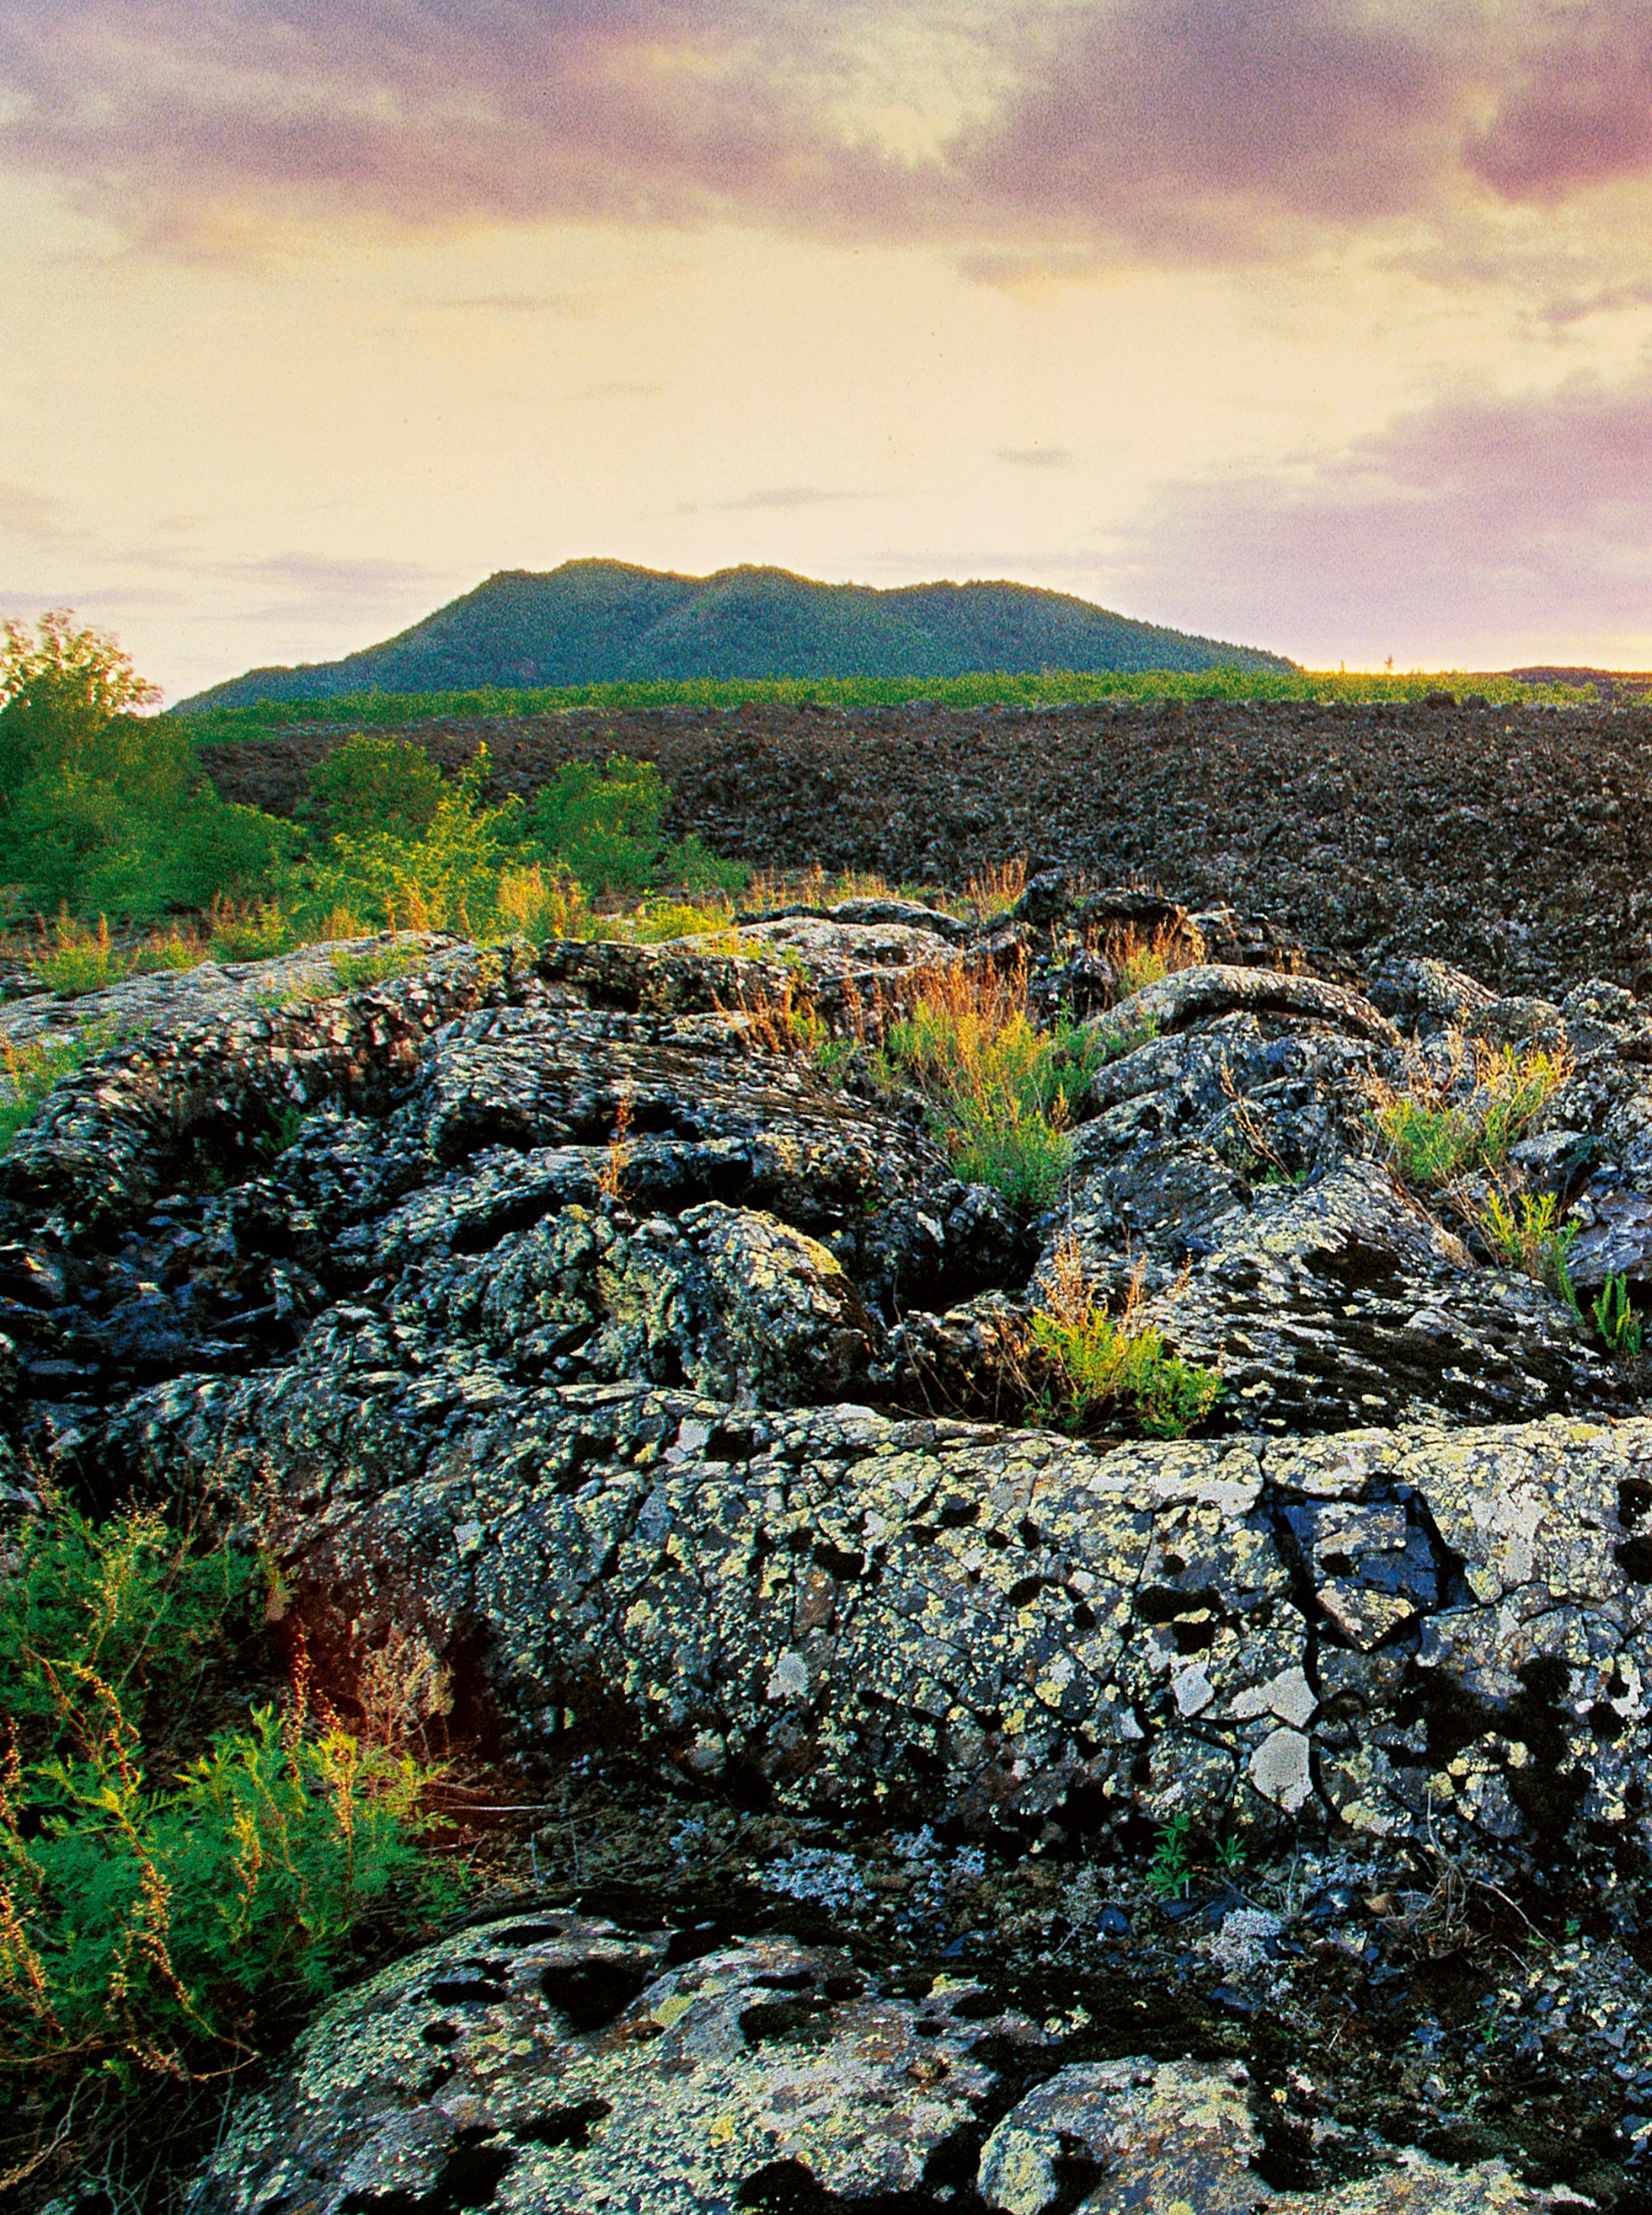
{"type": "Point", "coordinates": [558, 1308]}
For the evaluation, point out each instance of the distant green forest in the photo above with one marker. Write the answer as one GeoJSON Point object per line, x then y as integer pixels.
{"type": "Point", "coordinates": [597, 622]}
{"type": "Point", "coordinates": [1049, 688]}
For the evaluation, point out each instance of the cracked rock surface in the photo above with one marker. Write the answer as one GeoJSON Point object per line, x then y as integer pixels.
{"type": "Point", "coordinates": [560, 1309]}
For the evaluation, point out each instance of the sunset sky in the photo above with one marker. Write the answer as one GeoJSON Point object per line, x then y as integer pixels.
{"type": "Point", "coordinates": [1321, 326]}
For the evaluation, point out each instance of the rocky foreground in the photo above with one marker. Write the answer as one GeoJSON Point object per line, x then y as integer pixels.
{"type": "Point", "coordinates": [992, 1818]}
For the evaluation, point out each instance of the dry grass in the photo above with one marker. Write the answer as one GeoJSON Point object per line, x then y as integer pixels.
{"type": "Point", "coordinates": [1139, 960]}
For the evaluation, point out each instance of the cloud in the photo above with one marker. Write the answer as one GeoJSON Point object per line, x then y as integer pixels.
{"type": "Point", "coordinates": [41, 524]}
{"type": "Point", "coordinates": [779, 496]}
{"type": "Point", "coordinates": [1478, 517]}
{"type": "Point", "coordinates": [520, 304]}
{"type": "Point", "coordinates": [1030, 139]}
{"type": "Point", "coordinates": [324, 588]}
{"type": "Point", "coordinates": [1577, 110]}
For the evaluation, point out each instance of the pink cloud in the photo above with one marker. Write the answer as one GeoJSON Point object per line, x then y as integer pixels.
{"type": "Point", "coordinates": [1173, 129]}
{"type": "Point", "coordinates": [1477, 517]}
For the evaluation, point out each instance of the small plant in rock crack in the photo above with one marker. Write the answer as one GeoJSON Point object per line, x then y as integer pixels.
{"type": "Point", "coordinates": [1093, 1362]}
{"type": "Point", "coordinates": [1457, 1112]}
{"type": "Point", "coordinates": [1138, 962]}
{"type": "Point", "coordinates": [1621, 1329]}
{"type": "Point", "coordinates": [1525, 1231]}
{"type": "Point", "coordinates": [1004, 1090]}
{"type": "Point", "coordinates": [1171, 1871]}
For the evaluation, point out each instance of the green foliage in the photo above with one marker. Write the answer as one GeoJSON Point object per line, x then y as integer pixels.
{"type": "Point", "coordinates": [103, 811]}
{"type": "Point", "coordinates": [1529, 1235]}
{"type": "Point", "coordinates": [373, 966]}
{"type": "Point", "coordinates": [29, 1073]}
{"type": "Point", "coordinates": [256, 930]}
{"type": "Point", "coordinates": [1169, 1872]}
{"type": "Point", "coordinates": [1004, 1090]}
{"type": "Point", "coordinates": [370, 786]}
{"type": "Point", "coordinates": [1437, 1128]}
{"type": "Point", "coordinates": [1095, 1362]}
{"type": "Point", "coordinates": [150, 1903]}
{"type": "Point", "coordinates": [80, 961]}
{"type": "Point", "coordinates": [691, 864]}
{"type": "Point", "coordinates": [447, 879]}
{"type": "Point", "coordinates": [1048, 688]}
{"type": "Point", "coordinates": [602, 825]}
{"type": "Point", "coordinates": [1621, 1329]}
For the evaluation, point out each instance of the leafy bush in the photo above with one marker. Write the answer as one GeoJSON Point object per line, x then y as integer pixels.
{"type": "Point", "coordinates": [692, 865]}
{"type": "Point", "coordinates": [150, 1903]}
{"type": "Point", "coordinates": [447, 879]}
{"type": "Point", "coordinates": [604, 824]}
{"type": "Point", "coordinates": [103, 811]}
{"type": "Point", "coordinates": [1094, 1362]}
{"type": "Point", "coordinates": [370, 786]}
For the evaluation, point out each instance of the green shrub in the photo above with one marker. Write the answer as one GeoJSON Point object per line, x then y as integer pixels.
{"type": "Point", "coordinates": [602, 824]}
{"type": "Point", "coordinates": [692, 865]}
{"type": "Point", "coordinates": [447, 879]}
{"type": "Point", "coordinates": [153, 1899]}
{"type": "Point", "coordinates": [1094, 1362]}
{"type": "Point", "coordinates": [372, 786]}
{"type": "Point", "coordinates": [102, 811]}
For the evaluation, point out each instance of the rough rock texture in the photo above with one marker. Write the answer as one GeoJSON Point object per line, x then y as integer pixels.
{"type": "Point", "coordinates": [562, 2064]}
{"type": "Point", "coordinates": [570, 1310]}
{"type": "Point", "coordinates": [568, 1315]}
{"type": "Point", "coordinates": [1515, 843]}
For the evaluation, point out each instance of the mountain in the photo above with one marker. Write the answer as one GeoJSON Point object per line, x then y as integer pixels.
{"type": "Point", "coordinates": [594, 622]}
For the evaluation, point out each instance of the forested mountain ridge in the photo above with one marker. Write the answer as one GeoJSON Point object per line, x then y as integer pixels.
{"type": "Point", "coordinates": [590, 622]}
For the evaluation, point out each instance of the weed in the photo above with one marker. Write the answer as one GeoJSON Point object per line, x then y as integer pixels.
{"type": "Point", "coordinates": [1092, 1362]}
{"type": "Point", "coordinates": [1230, 1855]}
{"type": "Point", "coordinates": [1004, 1090]}
{"type": "Point", "coordinates": [660, 920]}
{"type": "Point", "coordinates": [173, 951]}
{"type": "Point", "coordinates": [613, 1166]}
{"type": "Point", "coordinates": [995, 891]}
{"type": "Point", "coordinates": [1440, 1124]}
{"type": "Point", "coordinates": [1170, 1872]}
{"type": "Point", "coordinates": [1621, 1329]}
{"type": "Point", "coordinates": [351, 973]}
{"type": "Point", "coordinates": [251, 930]}
{"type": "Point", "coordinates": [1528, 1233]}
{"type": "Point", "coordinates": [80, 960]}
{"type": "Point", "coordinates": [151, 1905]}
{"type": "Point", "coordinates": [1138, 962]}
{"type": "Point", "coordinates": [692, 865]}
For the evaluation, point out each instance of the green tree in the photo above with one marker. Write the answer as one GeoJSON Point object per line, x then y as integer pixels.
{"type": "Point", "coordinates": [103, 810]}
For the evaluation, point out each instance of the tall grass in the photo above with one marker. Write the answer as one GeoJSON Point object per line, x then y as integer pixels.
{"type": "Point", "coordinates": [1004, 1090]}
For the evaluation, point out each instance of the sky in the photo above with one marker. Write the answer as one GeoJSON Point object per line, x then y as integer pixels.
{"type": "Point", "coordinates": [1321, 326]}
